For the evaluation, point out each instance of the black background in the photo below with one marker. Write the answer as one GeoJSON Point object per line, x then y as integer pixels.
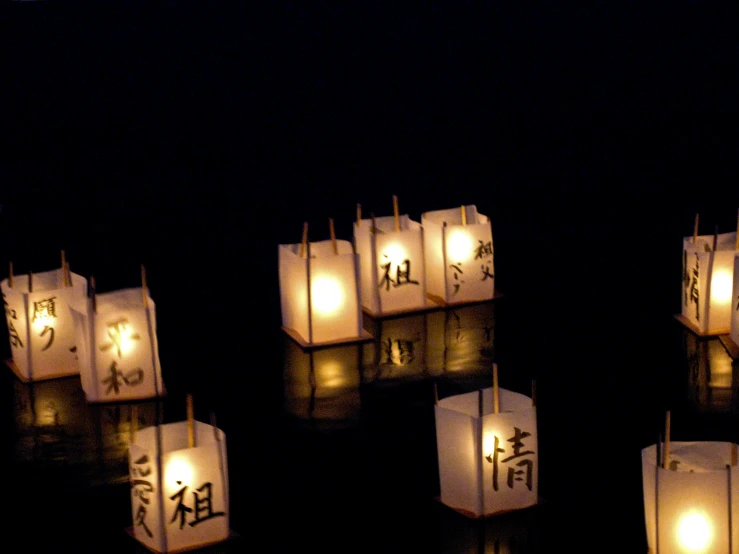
{"type": "Point", "coordinates": [194, 137]}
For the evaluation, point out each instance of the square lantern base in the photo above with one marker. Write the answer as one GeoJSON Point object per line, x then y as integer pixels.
{"type": "Point", "coordinates": [219, 547]}
{"type": "Point", "coordinates": [732, 348]}
{"type": "Point", "coordinates": [472, 515]}
{"type": "Point", "coordinates": [443, 304]}
{"type": "Point", "coordinates": [57, 375]}
{"type": "Point", "coordinates": [691, 327]}
{"type": "Point", "coordinates": [429, 306]}
{"type": "Point", "coordinates": [293, 334]}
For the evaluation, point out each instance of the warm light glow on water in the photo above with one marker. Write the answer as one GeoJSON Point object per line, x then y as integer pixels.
{"type": "Point", "coordinates": [694, 532]}
{"type": "Point", "coordinates": [327, 295]}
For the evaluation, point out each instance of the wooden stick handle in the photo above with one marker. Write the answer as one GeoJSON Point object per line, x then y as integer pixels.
{"type": "Point", "coordinates": [479, 402]}
{"type": "Point", "coordinates": [30, 281]}
{"type": "Point", "coordinates": [10, 274]}
{"type": "Point", "coordinates": [92, 295]}
{"type": "Point", "coordinates": [666, 446]}
{"type": "Point", "coordinates": [359, 214]}
{"type": "Point", "coordinates": [374, 224]}
{"type": "Point", "coordinates": [333, 235]}
{"type": "Point", "coordinates": [695, 229]}
{"type": "Point", "coordinates": [64, 270]}
{"type": "Point", "coordinates": [134, 423]}
{"type": "Point", "coordinates": [496, 390]}
{"type": "Point", "coordinates": [144, 288]}
{"type": "Point", "coordinates": [304, 243]}
{"type": "Point", "coordinates": [190, 422]}
{"type": "Point", "coordinates": [464, 215]}
{"type": "Point", "coordinates": [396, 212]}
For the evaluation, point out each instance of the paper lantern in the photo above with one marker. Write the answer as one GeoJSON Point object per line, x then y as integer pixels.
{"type": "Point", "coordinates": [117, 346]}
{"type": "Point", "coordinates": [689, 506]}
{"type": "Point", "coordinates": [488, 464]}
{"type": "Point", "coordinates": [179, 493]}
{"type": "Point", "coordinates": [322, 384]}
{"type": "Point", "coordinates": [708, 283]}
{"type": "Point", "coordinates": [392, 265]}
{"type": "Point", "coordinates": [458, 252]}
{"type": "Point", "coordinates": [40, 326]}
{"type": "Point", "coordinates": [319, 293]}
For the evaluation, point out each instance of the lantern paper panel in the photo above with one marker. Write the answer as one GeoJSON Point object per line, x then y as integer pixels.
{"type": "Point", "coordinates": [40, 324]}
{"type": "Point", "coordinates": [319, 294]}
{"type": "Point", "coordinates": [118, 348]}
{"type": "Point", "coordinates": [734, 325]}
{"type": "Point", "coordinates": [192, 508]}
{"type": "Point", "coordinates": [689, 506]}
{"type": "Point", "coordinates": [458, 255]}
{"type": "Point", "coordinates": [392, 269]}
{"type": "Point", "coordinates": [708, 283]}
{"type": "Point", "coordinates": [488, 464]}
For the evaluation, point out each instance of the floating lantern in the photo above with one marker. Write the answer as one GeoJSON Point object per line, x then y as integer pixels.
{"type": "Point", "coordinates": [458, 252]}
{"type": "Point", "coordinates": [392, 265]}
{"type": "Point", "coordinates": [708, 283]}
{"type": "Point", "coordinates": [319, 291]}
{"type": "Point", "coordinates": [691, 496]}
{"type": "Point", "coordinates": [179, 486]}
{"type": "Point", "coordinates": [40, 325]}
{"type": "Point", "coordinates": [117, 345]}
{"type": "Point", "coordinates": [487, 449]}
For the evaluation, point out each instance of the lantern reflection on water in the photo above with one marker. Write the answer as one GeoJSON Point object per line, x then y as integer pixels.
{"type": "Point", "coordinates": [708, 283]}
{"type": "Point", "coordinates": [399, 351]}
{"type": "Point", "coordinates": [39, 321]}
{"type": "Point", "coordinates": [322, 384]}
{"type": "Point", "coordinates": [689, 505]}
{"type": "Point", "coordinates": [179, 494]}
{"type": "Point", "coordinates": [488, 462]}
{"type": "Point", "coordinates": [459, 255]}
{"type": "Point", "coordinates": [712, 379]}
{"type": "Point", "coordinates": [319, 293]}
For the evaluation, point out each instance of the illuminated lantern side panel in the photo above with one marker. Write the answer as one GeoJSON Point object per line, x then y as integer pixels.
{"type": "Point", "coordinates": [457, 436]}
{"type": "Point", "coordinates": [364, 245]}
{"type": "Point", "coordinates": [734, 326]}
{"type": "Point", "coordinates": [708, 279]}
{"type": "Point", "coordinates": [293, 275]}
{"type": "Point", "coordinates": [687, 507]}
{"type": "Point", "coordinates": [401, 279]}
{"type": "Point", "coordinates": [49, 350]}
{"type": "Point", "coordinates": [193, 505]}
{"type": "Point", "coordinates": [433, 254]}
{"type": "Point", "coordinates": [334, 294]}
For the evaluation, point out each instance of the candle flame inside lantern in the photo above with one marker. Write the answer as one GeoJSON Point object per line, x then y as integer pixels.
{"type": "Point", "coordinates": [327, 295]}
{"type": "Point", "coordinates": [178, 471]}
{"type": "Point", "coordinates": [694, 532]}
{"type": "Point", "coordinates": [459, 246]}
{"type": "Point", "coordinates": [721, 287]}
{"type": "Point", "coordinates": [395, 254]}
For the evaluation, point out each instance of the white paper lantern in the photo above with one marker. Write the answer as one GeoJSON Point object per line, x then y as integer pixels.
{"type": "Point", "coordinates": [319, 293]}
{"type": "Point", "coordinates": [708, 284]}
{"type": "Point", "coordinates": [393, 275]}
{"type": "Point", "coordinates": [117, 346]}
{"type": "Point", "coordinates": [488, 464]}
{"type": "Point", "coordinates": [179, 495]}
{"type": "Point", "coordinates": [689, 507]}
{"type": "Point", "coordinates": [40, 326]}
{"type": "Point", "coordinates": [458, 252]}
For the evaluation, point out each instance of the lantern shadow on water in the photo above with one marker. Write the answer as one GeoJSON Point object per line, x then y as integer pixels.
{"type": "Point", "coordinates": [689, 507]}
{"type": "Point", "coordinates": [40, 324]}
{"type": "Point", "coordinates": [488, 464]}
{"type": "Point", "coordinates": [322, 384]}
{"type": "Point", "coordinates": [57, 427]}
{"type": "Point", "coordinates": [712, 377]}
{"type": "Point", "coordinates": [392, 268]}
{"type": "Point", "coordinates": [179, 494]}
{"type": "Point", "coordinates": [708, 284]}
{"type": "Point", "coordinates": [117, 347]}
{"type": "Point", "coordinates": [320, 295]}
{"type": "Point", "coordinates": [459, 255]}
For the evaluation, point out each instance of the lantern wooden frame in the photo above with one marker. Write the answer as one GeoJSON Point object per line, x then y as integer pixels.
{"type": "Point", "coordinates": [708, 273]}
{"type": "Point", "coordinates": [310, 315]}
{"type": "Point", "coordinates": [695, 506]}
{"type": "Point", "coordinates": [167, 469]}
{"type": "Point", "coordinates": [50, 353]}
{"type": "Point", "coordinates": [392, 266]}
{"type": "Point", "coordinates": [456, 240]}
{"type": "Point", "coordinates": [468, 462]}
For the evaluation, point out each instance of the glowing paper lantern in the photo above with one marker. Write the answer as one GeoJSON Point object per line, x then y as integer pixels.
{"type": "Point", "coordinates": [458, 252]}
{"type": "Point", "coordinates": [117, 346]}
{"type": "Point", "coordinates": [488, 463]}
{"type": "Point", "coordinates": [392, 267]}
{"type": "Point", "coordinates": [179, 494]}
{"type": "Point", "coordinates": [40, 325]}
{"type": "Point", "coordinates": [708, 283]}
{"type": "Point", "coordinates": [319, 292]}
{"type": "Point", "coordinates": [690, 504]}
